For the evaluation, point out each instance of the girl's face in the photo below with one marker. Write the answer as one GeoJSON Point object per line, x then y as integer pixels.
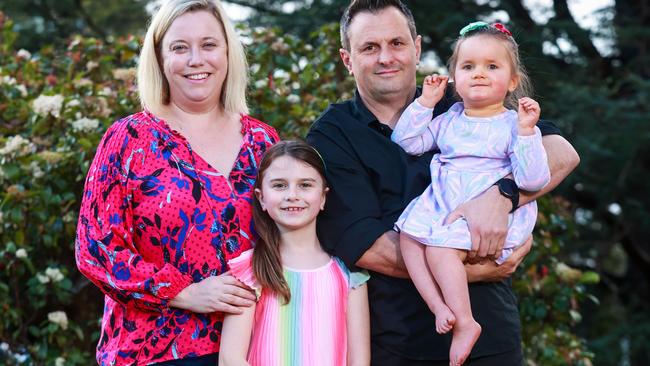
{"type": "Point", "coordinates": [293, 193]}
{"type": "Point", "coordinates": [483, 74]}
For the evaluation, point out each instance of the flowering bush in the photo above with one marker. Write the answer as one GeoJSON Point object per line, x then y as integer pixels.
{"type": "Point", "coordinates": [54, 107]}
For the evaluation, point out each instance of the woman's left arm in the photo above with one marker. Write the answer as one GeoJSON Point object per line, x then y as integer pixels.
{"type": "Point", "coordinates": [358, 324]}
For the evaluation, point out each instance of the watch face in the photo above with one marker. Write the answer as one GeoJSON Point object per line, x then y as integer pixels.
{"type": "Point", "coordinates": [506, 186]}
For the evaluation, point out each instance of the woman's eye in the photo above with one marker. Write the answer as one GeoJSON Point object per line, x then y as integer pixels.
{"type": "Point", "coordinates": [178, 47]}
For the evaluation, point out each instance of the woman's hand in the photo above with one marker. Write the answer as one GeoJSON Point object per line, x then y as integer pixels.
{"type": "Point", "coordinates": [490, 271]}
{"type": "Point", "coordinates": [222, 293]}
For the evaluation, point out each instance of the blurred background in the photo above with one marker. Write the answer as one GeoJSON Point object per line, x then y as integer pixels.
{"type": "Point", "coordinates": [67, 71]}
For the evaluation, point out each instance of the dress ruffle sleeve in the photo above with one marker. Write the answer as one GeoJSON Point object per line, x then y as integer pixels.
{"type": "Point", "coordinates": [242, 269]}
{"type": "Point", "coordinates": [355, 279]}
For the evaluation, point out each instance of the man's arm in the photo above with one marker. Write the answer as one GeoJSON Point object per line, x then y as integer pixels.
{"type": "Point", "coordinates": [384, 256]}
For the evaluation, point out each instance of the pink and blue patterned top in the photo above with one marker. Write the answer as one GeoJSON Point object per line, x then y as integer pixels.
{"type": "Point", "coordinates": [475, 152]}
{"type": "Point", "coordinates": [311, 329]}
{"type": "Point", "coordinates": [155, 217]}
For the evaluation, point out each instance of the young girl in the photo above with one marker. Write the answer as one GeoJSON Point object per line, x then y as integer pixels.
{"type": "Point", "coordinates": [311, 310]}
{"type": "Point", "coordinates": [480, 142]}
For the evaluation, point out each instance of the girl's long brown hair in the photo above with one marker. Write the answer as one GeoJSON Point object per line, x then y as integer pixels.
{"type": "Point", "coordinates": [267, 262]}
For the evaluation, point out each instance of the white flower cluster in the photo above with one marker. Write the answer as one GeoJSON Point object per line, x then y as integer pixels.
{"type": "Point", "coordinates": [280, 46]}
{"type": "Point", "coordinates": [59, 361]}
{"type": "Point", "coordinates": [21, 253]}
{"type": "Point", "coordinates": [48, 104]}
{"type": "Point", "coordinates": [11, 81]}
{"type": "Point", "coordinates": [60, 318]}
{"type": "Point", "coordinates": [17, 145]}
{"type": "Point", "coordinates": [36, 170]}
{"type": "Point", "coordinates": [51, 274]}
{"type": "Point", "coordinates": [6, 352]}
{"type": "Point", "coordinates": [24, 54]}
{"type": "Point", "coordinates": [293, 98]}
{"type": "Point", "coordinates": [125, 74]}
{"type": "Point", "coordinates": [8, 80]}
{"type": "Point", "coordinates": [85, 124]}
{"type": "Point", "coordinates": [22, 89]}
{"type": "Point", "coordinates": [91, 65]}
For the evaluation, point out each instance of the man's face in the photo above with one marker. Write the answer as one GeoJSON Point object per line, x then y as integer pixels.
{"type": "Point", "coordinates": [382, 56]}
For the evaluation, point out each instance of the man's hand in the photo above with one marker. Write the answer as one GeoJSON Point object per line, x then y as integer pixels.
{"type": "Point", "coordinates": [490, 271]}
{"type": "Point", "coordinates": [487, 219]}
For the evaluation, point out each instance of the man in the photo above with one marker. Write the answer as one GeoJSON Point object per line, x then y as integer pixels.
{"type": "Point", "coordinates": [372, 180]}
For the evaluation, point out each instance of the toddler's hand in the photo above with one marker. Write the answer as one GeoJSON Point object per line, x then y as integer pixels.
{"type": "Point", "coordinates": [433, 90]}
{"type": "Point", "coordinates": [528, 115]}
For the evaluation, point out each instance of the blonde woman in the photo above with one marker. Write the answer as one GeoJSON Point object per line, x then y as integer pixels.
{"type": "Point", "coordinates": [167, 200]}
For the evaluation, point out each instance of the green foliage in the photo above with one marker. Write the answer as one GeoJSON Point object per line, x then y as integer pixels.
{"type": "Point", "coordinates": [41, 22]}
{"type": "Point", "coordinates": [54, 107]}
{"type": "Point", "coordinates": [550, 292]}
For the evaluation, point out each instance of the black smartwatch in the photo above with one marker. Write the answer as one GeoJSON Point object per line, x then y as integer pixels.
{"type": "Point", "coordinates": [508, 189]}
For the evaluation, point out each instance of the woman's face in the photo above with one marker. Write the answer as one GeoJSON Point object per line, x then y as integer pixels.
{"type": "Point", "coordinates": [195, 60]}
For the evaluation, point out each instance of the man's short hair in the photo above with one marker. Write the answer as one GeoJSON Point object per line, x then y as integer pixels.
{"type": "Point", "coordinates": [372, 6]}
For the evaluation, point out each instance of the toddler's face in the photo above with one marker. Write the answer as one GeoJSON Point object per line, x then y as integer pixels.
{"type": "Point", "coordinates": [483, 74]}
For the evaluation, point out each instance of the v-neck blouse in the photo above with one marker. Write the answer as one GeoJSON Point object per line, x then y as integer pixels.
{"type": "Point", "coordinates": [156, 217]}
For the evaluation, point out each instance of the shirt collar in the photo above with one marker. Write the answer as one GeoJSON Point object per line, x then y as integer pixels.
{"type": "Point", "coordinates": [366, 117]}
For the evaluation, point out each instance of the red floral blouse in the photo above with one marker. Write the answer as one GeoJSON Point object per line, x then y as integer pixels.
{"type": "Point", "coordinates": [155, 217]}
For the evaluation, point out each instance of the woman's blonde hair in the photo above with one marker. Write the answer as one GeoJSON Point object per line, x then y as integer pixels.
{"type": "Point", "coordinates": [153, 87]}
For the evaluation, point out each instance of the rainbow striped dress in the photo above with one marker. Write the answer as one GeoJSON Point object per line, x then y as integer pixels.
{"type": "Point", "coordinates": [311, 328]}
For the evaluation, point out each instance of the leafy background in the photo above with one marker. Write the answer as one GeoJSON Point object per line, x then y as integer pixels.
{"type": "Point", "coordinates": [67, 72]}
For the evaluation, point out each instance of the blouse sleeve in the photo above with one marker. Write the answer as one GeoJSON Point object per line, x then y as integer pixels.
{"type": "Point", "coordinates": [242, 269]}
{"type": "Point", "coordinates": [104, 249]}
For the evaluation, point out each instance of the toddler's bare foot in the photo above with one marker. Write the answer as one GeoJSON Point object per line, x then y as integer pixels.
{"type": "Point", "coordinates": [465, 335]}
{"type": "Point", "coordinates": [445, 319]}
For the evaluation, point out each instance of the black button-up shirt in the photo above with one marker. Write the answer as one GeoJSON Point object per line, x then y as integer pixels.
{"type": "Point", "coordinates": [371, 181]}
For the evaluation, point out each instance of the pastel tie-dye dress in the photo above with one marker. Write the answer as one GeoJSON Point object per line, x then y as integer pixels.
{"type": "Point", "coordinates": [311, 328]}
{"type": "Point", "coordinates": [475, 152]}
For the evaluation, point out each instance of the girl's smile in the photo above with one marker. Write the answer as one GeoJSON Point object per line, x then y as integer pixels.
{"type": "Point", "coordinates": [293, 193]}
